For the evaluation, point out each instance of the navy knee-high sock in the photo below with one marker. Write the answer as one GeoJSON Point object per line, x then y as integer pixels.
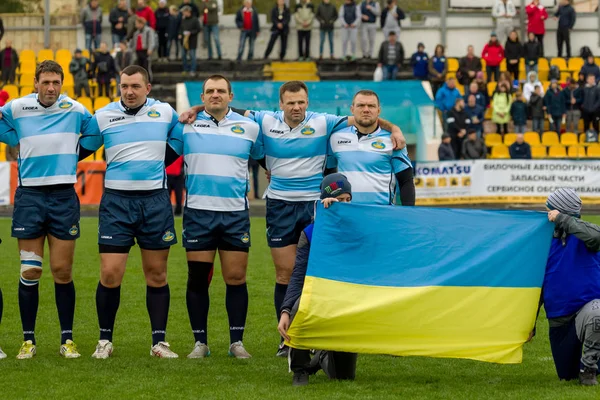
{"type": "Point", "coordinates": [107, 305]}
{"type": "Point", "coordinates": [280, 290]}
{"type": "Point", "coordinates": [158, 300]}
{"type": "Point", "coordinates": [197, 298]}
{"type": "Point", "coordinates": [29, 300]}
{"type": "Point", "coordinates": [65, 304]}
{"type": "Point", "coordinates": [236, 302]}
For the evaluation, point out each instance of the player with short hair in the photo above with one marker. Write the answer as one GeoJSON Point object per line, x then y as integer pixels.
{"type": "Point", "coordinates": [295, 146]}
{"type": "Point", "coordinates": [216, 149]}
{"type": "Point", "coordinates": [47, 125]}
{"type": "Point", "coordinates": [364, 154]}
{"type": "Point", "coordinates": [138, 134]}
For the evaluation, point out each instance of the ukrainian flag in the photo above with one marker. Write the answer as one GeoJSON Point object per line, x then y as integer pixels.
{"type": "Point", "coordinates": [414, 281]}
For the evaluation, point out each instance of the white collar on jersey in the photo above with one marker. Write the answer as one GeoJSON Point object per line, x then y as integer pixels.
{"type": "Point", "coordinates": [213, 119]}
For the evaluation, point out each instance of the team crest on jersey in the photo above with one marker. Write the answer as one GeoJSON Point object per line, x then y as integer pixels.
{"type": "Point", "coordinates": [378, 144]}
{"type": "Point", "coordinates": [238, 129]}
{"type": "Point", "coordinates": [153, 113]}
{"type": "Point", "coordinates": [168, 236]}
{"type": "Point", "coordinates": [307, 131]}
{"type": "Point", "coordinates": [74, 230]}
{"type": "Point", "coordinates": [245, 238]}
{"type": "Point", "coordinates": [65, 104]}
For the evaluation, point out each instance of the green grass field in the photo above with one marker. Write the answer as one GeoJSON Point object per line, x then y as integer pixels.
{"type": "Point", "coordinates": [132, 373]}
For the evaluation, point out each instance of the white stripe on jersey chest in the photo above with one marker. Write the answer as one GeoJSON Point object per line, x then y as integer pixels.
{"type": "Point", "coordinates": [117, 118]}
{"type": "Point", "coordinates": [349, 141]}
{"type": "Point", "coordinates": [309, 128]}
{"type": "Point", "coordinates": [237, 129]}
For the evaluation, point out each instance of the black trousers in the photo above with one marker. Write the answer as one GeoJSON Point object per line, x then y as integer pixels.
{"type": "Point", "coordinates": [435, 86]}
{"type": "Point", "coordinates": [513, 69]}
{"type": "Point", "coordinates": [162, 43]}
{"type": "Point", "coordinates": [104, 88]}
{"type": "Point", "coordinates": [492, 71]}
{"type": "Point", "coordinates": [589, 119]}
{"type": "Point", "coordinates": [8, 75]}
{"type": "Point", "coordinates": [175, 183]}
{"type": "Point", "coordinates": [274, 35]}
{"type": "Point", "coordinates": [335, 364]}
{"type": "Point", "coordinates": [540, 39]}
{"type": "Point", "coordinates": [304, 44]}
{"type": "Point", "coordinates": [563, 36]}
{"type": "Point", "coordinates": [142, 58]}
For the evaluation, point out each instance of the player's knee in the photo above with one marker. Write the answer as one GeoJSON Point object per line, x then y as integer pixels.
{"type": "Point", "coordinates": [283, 276]}
{"type": "Point", "coordinates": [235, 277]}
{"type": "Point", "coordinates": [156, 277]}
{"type": "Point", "coordinates": [62, 275]}
{"type": "Point", "coordinates": [31, 268]}
{"type": "Point", "coordinates": [110, 279]}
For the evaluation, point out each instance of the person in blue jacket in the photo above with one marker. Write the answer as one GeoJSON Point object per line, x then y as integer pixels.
{"type": "Point", "coordinates": [419, 63]}
{"type": "Point", "coordinates": [337, 365]}
{"type": "Point", "coordinates": [571, 290]}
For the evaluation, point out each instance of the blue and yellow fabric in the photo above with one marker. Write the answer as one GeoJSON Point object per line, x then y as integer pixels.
{"type": "Point", "coordinates": [413, 281]}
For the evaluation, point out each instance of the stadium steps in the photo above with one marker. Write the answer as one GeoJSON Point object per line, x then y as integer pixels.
{"type": "Point", "coordinates": [287, 71]}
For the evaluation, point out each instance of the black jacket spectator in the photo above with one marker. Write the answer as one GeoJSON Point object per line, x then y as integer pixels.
{"type": "Point", "coordinates": [465, 65]}
{"type": "Point", "coordinates": [384, 12]}
{"type": "Point", "coordinates": [536, 106]}
{"type": "Point", "coordinates": [590, 69]}
{"type": "Point", "coordinates": [566, 17]}
{"type": "Point", "coordinates": [124, 59]}
{"type": "Point", "coordinates": [239, 19]}
{"type": "Point", "coordinates": [194, 7]}
{"type": "Point", "coordinates": [114, 16]}
{"type": "Point", "coordinates": [285, 21]}
{"type": "Point", "coordinates": [384, 51]}
{"type": "Point", "coordinates": [518, 112]}
{"type": "Point", "coordinates": [474, 149]}
{"type": "Point", "coordinates": [91, 19]}
{"type": "Point", "coordinates": [445, 152]}
{"type": "Point", "coordinates": [327, 14]}
{"type": "Point", "coordinates": [591, 99]}
{"type": "Point", "coordinates": [162, 18]}
{"type": "Point", "coordinates": [532, 51]}
{"type": "Point", "coordinates": [513, 50]}
{"type": "Point", "coordinates": [457, 121]}
{"type": "Point", "coordinates": [555, 102]}
{"type": "Point", "coordinates": [577, 94]}
{"type": "Point", "coordinates": [9, 64]}
{"type": "Point", "coordinates": [520, 151]}
{"type": "Point", "coordinates": [174, 22]}
{"type": "Point", "coordinates": [103, 67]}
{"type": "Point", "coordinates": [193, 26]}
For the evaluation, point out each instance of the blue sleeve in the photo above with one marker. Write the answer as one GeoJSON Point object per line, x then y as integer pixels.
{"type": "Point", "coordinates": [257, 151]}
{"type": "Point", "coordinates": [439, 101]}
{"type": "Point", "coordinates": [400, 160]}
{"type": "Point", "coordinates": [91, 137]}
{"type": "Point", "coordinates": [335, 123]}
{"type": "Point", "coordinates": [175, 137]}
{"type": "Point", "coordinates": [258, 116]}
{"type": "Point", "coordinates": [331, 159]}
{"type": "Point", "coordinates": [7, 134]}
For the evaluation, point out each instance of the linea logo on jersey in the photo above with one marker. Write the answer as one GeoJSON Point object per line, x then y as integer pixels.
{"type": "Point", "coordinates": [153, 113]}
{"type": "Point", "coordinates": [378, 144]}
{"type": "Point", "coordinates": [237, 129]}
{"type": "Point", "coordinates": [245, 238]}
{"type": "Point", "coordinates": [307, 131]}
{"type": "Point", "coordinates": [74, 230]}
{"type": "Point", "coordinates": [65, 104]}
{"type": "Point", "coordinates": [168, 236]}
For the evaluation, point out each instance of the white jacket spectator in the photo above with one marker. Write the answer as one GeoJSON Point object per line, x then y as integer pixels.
{"type": "Point", "coordinates": [504, 11]}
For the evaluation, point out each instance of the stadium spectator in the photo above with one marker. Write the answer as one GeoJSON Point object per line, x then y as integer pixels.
{"type": "Point", "coordinates": [502, 101]}
{"type": "Point", "coordinates": [438, 67]}
{"type": "Point", "coordinates": [536, 109]}
{"type": "Point", "coordinates": [194, 7]}
{"type": "Point", "coordinates": [391, 17]}
{"type": "Point", "coordinates": [327, 14]}
{"type": "Point", "coordinates": [280, 18]}
{"type": "Point", "coordinates": [210, 21]}
{"type": "Point", "coordinates": [529, 86]}
{"type": "Point", "coordinates": [143, 43]}
{"type": "Point", "coordinates": [419, 62]}
{"type": "Point", "coordinates": [473, 148]}
{"type": "Point", "coordinates": [188, 32]}
{"type": "Point", "coordinates": [369, 10]}
{"type": "Point", "coordinates": [518, 113]}
{"type": "Point", "coordinates": [162, 15]}
{"type": "Point", "coordinates": [173, 31]}
{"type": "Point", "coordinates": [590, 67]}
{"type": "Point", "coordinates": [505, 80]}
{"type": "Point", "coordinates": [536, 22]}
{"type": "Point", "coordinates": [520, 150]}
{"type": "Point", "coordinates": [79, 69]}
{"type": "Point", "coordinates": [350, 19]}
{"type": "Point", "coordinates": [391, 55]}
{"type": "Point", "coordinates": [566, 17]}
{"type": "Point", "coordinates": [446, 96]}
{"type": "Point", "coordinates": [146, 12]}
{"type": "Point", "coordinates": [573, 99]}
{"type": "Point", "coordinates": [91, 19]}
{"type": "Point", "coordinates": [131, 21]}
{"type": "Point", "coordinates": [123, 59]}
{"type": "Point", "coordinates": [246, 20]}
{"type": "Point", "coordinates": [480, 97]}
{"type": "Point", "coordinates": [103, 70]}
{"type": "Point", "coordinates": [476, 114]}
{"type": "Point", "coordinates": [554, 101]}
{"type": "Point", "coordinates": [532, 52]}
{"type": "Point", "coordinates": [493, 54]}
{"type": "Point", "coordinates": [176, 182]}
{"type": "Point", "coordinates": [456, 122]}
{"type": "Point", "coordinates": [445, 151]}
{"type": "Point", "coordinates": [482, 86]}
{"type": "Point", "coordinates": [504, 11]}
{"type": "Point", "coordinates": [590, 103]}
{"type": "Point", "coordinates": [118, 22]}
{"type": "Point", "coordinates": [513, 51]}
{"type": "Point", "coordinates": [571, 289]}
{"type": "Point", "coordinates": [468, 66]}
{"type": "Point", "coordinates": [9, 61]}
{"type": "Point", "coordinates": [304, 17]}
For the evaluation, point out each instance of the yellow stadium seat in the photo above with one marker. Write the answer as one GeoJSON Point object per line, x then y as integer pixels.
{"type": "Point", "coordinates": [491, 88]}
{"type": "Point", "coordinates": [576, 152]}
{"type": "Point", "coordinates": [522, 70]}
{"type": "Point", "coordinates": [533, 138]}
{"type": "Point", "coordinates": [27, 67]}
{"type": "Point", "coordinates": [560, 62]}
{"type": "Point", "coordinates": [461, 89]}
{"type": "Point", "coordinates": [12, 90]}
{"type": "Point", "coordinates": [100, 102]}
{"type": "Point", "coordinates": [69, 90]}
{"type": "Point", "coordinates": [2, 152]}
{"type": "Point", "coordinates": [550, 138]}
{"type": "Point", "coordinates": [492, 139]}
{"type": "Point", "coordinates": [452, 65]}
{"type": "Point", "coordinates": [568, 139]}
{"type": "Point", "coordinates": [593, 150]}
{"type": "Point", "coordinates": [538, 152]}
{"type": "Point", "coordinates": [25, 90]}
{"type": "Point", "coordinates": [69, 81]}
{"type": "Point", "coordinates": [510, 138]}
{"type": "Point", "coordinates": [27, 79]}
{"type": "Point", "coordinates": [597, 60]}
{"type": "Point", "coordinates": [557, 151]}
{"type": "Point", "coordinates": [503, 65]}
{"type": "Point", "coordinates": [500, 151]}
{"type": "Point", "coordinates": [583, 142]}
{"type": "Point", "coordinates": [85, 53]}
{"type": "Point", "coordinates": [63, 56]}
{"type": "Point", "coordinates": [45, 54]}
{"type": "Point", "coordinates": [27, 55]}
{"type": "Point", "coordinates": [87, 103]}
{"type": "Point", "coordinates": [543, 69]}
{"type": "Point", "coordinates": [545, 85]}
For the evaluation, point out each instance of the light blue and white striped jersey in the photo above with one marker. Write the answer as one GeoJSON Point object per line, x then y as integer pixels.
{"type": "Point", "coordinates": [296, 157]}
{"type": "Point", "coordinates": [216, 158]}
{"type": "Point", "coordinates": [370, 164]}
{"type": "Point", "coordinates": [48, 137]}
{"type": "Point", "coordinates": [135, 145]}
{"type": "Point", "coordinates": [7, 134]}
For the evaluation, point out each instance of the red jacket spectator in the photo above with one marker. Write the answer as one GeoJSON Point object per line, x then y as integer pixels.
{"type": "Point", "coordinates": [493, 54]}
{"type": "Point", "coordinates": [148, 15]}
{"type": "Point", "coordinates": [536, 15]}
{"type": "Point", "coordinates": [3, 98]}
